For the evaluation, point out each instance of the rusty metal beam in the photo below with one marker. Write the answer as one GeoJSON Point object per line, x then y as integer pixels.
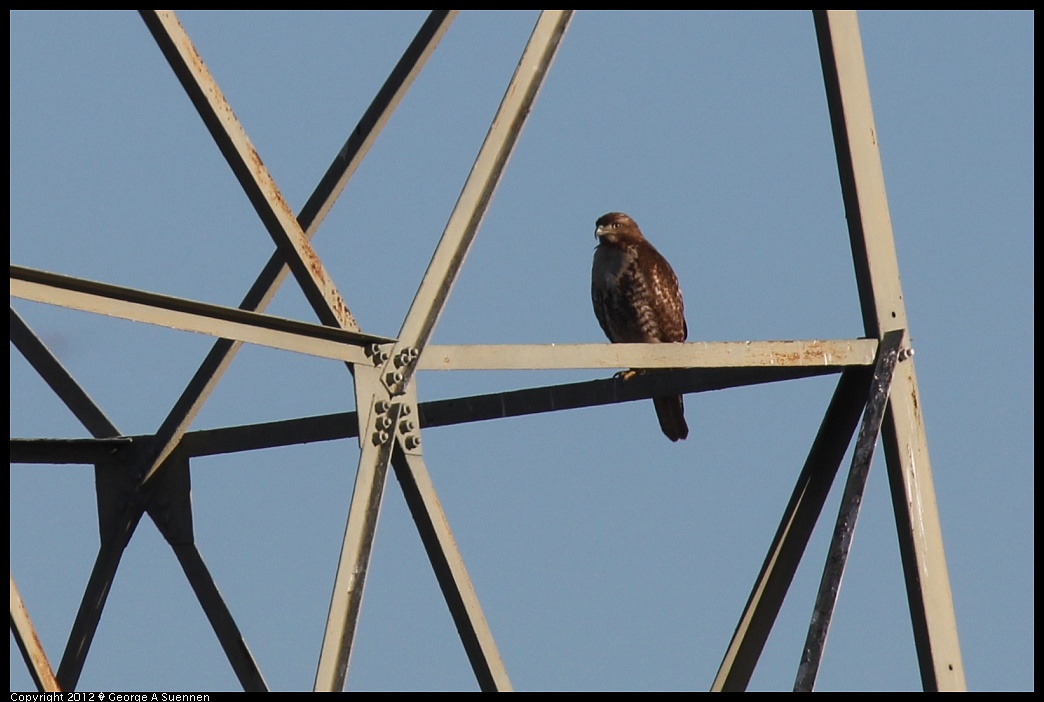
{"type": "Point", "coordinates": [848, 513]}
{"type": "Point", "coordinates": [881, 299]}
{"type": "Point", "coordinates": [64, 385]}
{"type": "Point", "coordinates": [29, 644]}
{"type": "Point", "coordinates": [312, 214]}
{"type": "Point", "coordinates": [700, 354]}
{"type": "Point", "coordinates": [248, 168]}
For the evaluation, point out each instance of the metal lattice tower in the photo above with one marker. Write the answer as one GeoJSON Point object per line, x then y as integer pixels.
{"type": "Point", "coordinates": [137, 475]}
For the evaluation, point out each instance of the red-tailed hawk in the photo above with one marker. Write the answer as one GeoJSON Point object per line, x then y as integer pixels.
{"type": "Point", "coordinates": [637, 300]}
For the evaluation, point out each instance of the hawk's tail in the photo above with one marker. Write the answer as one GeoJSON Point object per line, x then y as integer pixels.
{"type": "Point", "coordinates": [670, 410]}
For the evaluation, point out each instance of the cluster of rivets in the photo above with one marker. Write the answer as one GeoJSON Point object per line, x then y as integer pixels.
{"type": "Point", "coordinates": [406, 356]}
{"type": "Point", "coordinates": [382, 422]}
{"type": "Point", "coordinates": [379, 355]}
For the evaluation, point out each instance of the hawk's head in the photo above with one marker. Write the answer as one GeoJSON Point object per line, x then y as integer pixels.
{"type": "Point", "coordinates": [617, 228]}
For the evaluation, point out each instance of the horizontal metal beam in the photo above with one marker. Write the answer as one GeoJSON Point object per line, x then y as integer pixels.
{"type": "Point", "coordinates": [342, 345]}
{"type": "Point", "coordinates": [190, 315]}
{"type": "Point", "coordinates": [437, 413]}
{"type": "Point", "coordinates": [84, 451]}
{"type": "Point", "coordinates": [730, 354]}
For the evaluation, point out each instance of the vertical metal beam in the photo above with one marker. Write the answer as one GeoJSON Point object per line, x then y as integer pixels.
{"type": "Point", "coordinates": [795, 529]}
{"type": "Point", "coordinates": [848, 513]}
{"type": "Point", "coordinates": [63, 384]}
{"type": "Point", "coordinates": [330, 187]}
{"type": "Point", "coordinates": [881, 298]}
{"type": "Point", "coordinates": [449, 569]}
{"type": "Point", "coordinates": [354, 561]}
{"type": "Point", "coordinates": [482, 181]}
{"type": "Point", "coordinates": [29, 644]}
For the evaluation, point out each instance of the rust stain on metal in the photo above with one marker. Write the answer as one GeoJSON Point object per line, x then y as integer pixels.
{"type": "Point", "coordinates": [40, 662]}
{"type": "Point", "coordinates": [35, 650]}
{"type": "Point", "coordinates": [915, 405]}
{"type": "Point", "coordinates": [800, 355]}
{"type": "Point", "coordinates": [313, 262]}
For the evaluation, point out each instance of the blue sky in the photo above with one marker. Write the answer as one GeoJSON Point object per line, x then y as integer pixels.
{"type": "Point", "coordinates": [604, 556]}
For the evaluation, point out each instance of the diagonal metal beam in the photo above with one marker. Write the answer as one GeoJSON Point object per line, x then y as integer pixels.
{"type": "Point", "coordinates": [63, 384]}
{"type": "Point", "coordinates": [795, 529]}
{"type": "Point", "coordinates": [312, 215]}
{"type": "Point", "coordinates": [97, 591]}
{"type": "Point", "coordinates": [190, 315]}
{"type": "Point", "coordinates": [848, 513]}
{"type": "Point", "coordinates": [449, 568]}
{"type": "Point", "coordinates": [231, 639]}
{"type": "Point", "coordinates": [170, 506]}
{"type": "Point", "coordinates": [111, 550]}
{"type": "Point", "coordinates": [248, 168]}
{"type": "Point", "coordinates": [476, 194]}
{"type": "Point", "coordinates": [420, 320]}
{"type": "Point", "coordinates": [374, 118]}
{"type": "Point", "coordinates": [29, 644]}
{"type": "Point", "coordinates": [881, 298]}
